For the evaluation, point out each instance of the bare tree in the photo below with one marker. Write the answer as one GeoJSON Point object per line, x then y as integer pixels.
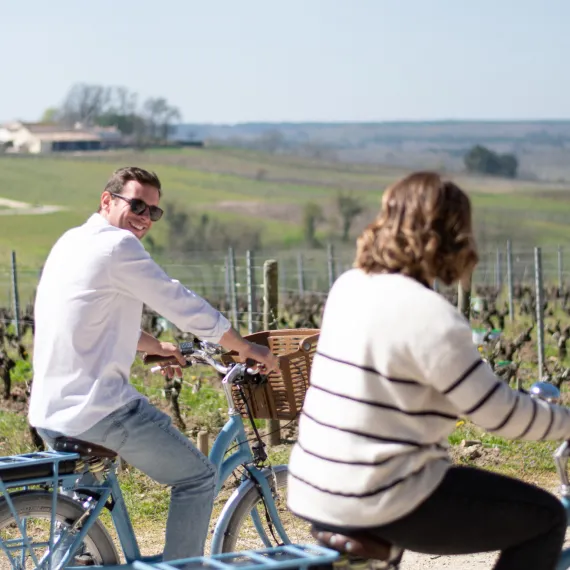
{"type": "Point", "coordinates": [312, 216]}
{"type": "Point", "coordinates": [159, 117]}
{"type": "Point", "coordinates": [349, 208]}
{"type": "Point", "coordinates": [117, 106]}
{"type": "Point", "coordinates": [85, 104]}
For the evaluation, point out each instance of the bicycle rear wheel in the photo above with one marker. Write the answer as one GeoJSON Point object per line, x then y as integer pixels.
{"type": "Point", "coordinates": [36, 507]}
{"type": "Point", "coordinates": [242, 534]}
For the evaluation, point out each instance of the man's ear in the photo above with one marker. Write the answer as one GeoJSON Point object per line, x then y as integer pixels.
{"type": "Point", "coordinates": [105, 201]}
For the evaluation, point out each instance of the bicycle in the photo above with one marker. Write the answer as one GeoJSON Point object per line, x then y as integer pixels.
{"type": "Point", "coordinates": [29, 486]}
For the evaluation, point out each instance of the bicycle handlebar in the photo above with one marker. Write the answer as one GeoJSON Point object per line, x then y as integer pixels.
{"type": "Point", "coordinates": [155, 358]}
{"type": "Point", "coordinates": [203, 355]}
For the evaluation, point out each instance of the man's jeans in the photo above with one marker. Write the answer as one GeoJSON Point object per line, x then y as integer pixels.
{"type": "Point", "coordinates": [146, 439]}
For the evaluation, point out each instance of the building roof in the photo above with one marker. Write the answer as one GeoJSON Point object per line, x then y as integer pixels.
{"type": "Point", "coordinates": [39, 128]}
{"type": "Point", "coordinates": [68, 136]}
{"type": "Point", "coordinates": [53, 132]}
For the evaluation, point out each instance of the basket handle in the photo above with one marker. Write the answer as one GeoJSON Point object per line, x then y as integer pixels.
{"type": "Point", "coordinates": [306, 344]}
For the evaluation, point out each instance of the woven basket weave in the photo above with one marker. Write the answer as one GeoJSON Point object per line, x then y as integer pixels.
{"type": "Point", "coordinates": [282, 397]}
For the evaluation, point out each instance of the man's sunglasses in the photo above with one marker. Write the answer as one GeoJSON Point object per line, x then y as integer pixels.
{"type": "Point", "coordinates": [139, 207]}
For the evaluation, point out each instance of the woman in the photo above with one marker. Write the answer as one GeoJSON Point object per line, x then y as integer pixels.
{"type": "Point", "coordinates": [395, 367]}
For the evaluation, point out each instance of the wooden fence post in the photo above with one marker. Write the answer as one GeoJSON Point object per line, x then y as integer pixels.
{"type": "Point", "coordinates": [510, 281]}
{"type": "Point", "coordinates": [233, 287]}
{"type": "Point", "coordinates": [330, 264]}
{"type": "Point", "coordinates": [251, 305]}
{"type": "Point", "coordinates": [464, 297]}
{"type": "Point", "coordinates": [15, 295]}
{"type": "Point", "coordinates": [203, 443]}
{"type": "Point", "coordinates": [560, 270]}
{"type": "Point", "coordinates": [270, 314]}
{"type": "Point", "coordinates": [539, 310]}
{"type": "Point", "coordinates": [300, 274]}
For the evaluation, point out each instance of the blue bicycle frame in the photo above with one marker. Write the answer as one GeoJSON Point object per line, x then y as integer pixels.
{"type": "Point", "coordinates": [232, 437]}
{"type": "Point", "coordinates": [234, 431]}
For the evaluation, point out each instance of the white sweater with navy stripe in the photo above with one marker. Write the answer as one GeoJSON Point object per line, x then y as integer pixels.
{"type": "Point", "coordinates": [395, 367]}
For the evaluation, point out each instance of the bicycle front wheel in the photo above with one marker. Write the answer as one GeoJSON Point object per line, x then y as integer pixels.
{"type": "Point", "coordinates": [34, 510]}
{"type": "Point", "coordinates": [252, 516]}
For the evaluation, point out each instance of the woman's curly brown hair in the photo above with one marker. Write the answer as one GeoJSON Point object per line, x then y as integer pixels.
{"type": "Point", "coordinates": [423, 230]}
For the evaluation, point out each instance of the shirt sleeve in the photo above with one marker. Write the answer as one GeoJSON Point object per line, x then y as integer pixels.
{"type": "Point", "coordinates": [135, 273]}
{"type": "Point", "coordinates": [451, 363]}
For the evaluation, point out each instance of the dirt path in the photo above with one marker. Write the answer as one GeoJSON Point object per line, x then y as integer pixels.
{"type": "Point", "coordinates": [13, 207]}
{"type": "Point", "coordinates": [413, 561]}
{"type": "Point", "coordinates": [152, 543]}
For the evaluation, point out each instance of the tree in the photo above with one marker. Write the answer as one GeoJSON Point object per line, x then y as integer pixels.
{"type": "Point", "coordinates": [312, 215]}
{"type": "Point", "coordinates": [484, 161]}
{"type": "Point", "coordinates": [121, 112]}
{"type": "Point", "coordinates": [84, 104]}
{"type": "Point", "coordinates": [103, 106]}
{"type": "Point", "coordinates": [349, 207]}
{"type": "Point", "coordinates": [159, 117]}
{"type": "Point", "coordinates": [50, 115]}
{"type": "Point", "coordinates": [508, 165]}
{"type": "Point", "coordinates": [271, 141]}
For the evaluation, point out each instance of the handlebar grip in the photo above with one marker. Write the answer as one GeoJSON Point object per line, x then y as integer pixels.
{"type": "Point", "coordinates": [155, 358]}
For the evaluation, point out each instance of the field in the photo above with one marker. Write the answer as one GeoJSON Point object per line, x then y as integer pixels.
{"type": "Point", "coordinates": [266, 192]}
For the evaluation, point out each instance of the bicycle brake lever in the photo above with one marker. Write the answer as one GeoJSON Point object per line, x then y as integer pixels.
{"type": "Point", "coordinates": [255, 377]}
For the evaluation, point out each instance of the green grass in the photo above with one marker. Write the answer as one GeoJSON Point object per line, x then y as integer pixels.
{"type": "Point", "coordinates": [203, 180]}
{"type": "Point", "coordinates": [13, 434]}
{"type": "Point", "coordinates": [521, 459]}
{"type": "Point", "coordinates": [76, 185]}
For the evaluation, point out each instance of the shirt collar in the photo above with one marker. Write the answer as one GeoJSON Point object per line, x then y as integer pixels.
{"type": "Point", "coordinates": [97, 219]}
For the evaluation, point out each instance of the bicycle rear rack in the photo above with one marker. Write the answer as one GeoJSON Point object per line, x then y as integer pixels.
{"type": "Point", "coordinates": [20, 470]}
{"type": "Point", "coordinates": [301, 556]}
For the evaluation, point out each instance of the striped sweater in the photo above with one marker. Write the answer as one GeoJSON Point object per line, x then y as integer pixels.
{"type": "Point", "coordinates": [395, 367]}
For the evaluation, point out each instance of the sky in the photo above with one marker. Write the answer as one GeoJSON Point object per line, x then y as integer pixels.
{"type": "Point", "coordinates": [231, 61]}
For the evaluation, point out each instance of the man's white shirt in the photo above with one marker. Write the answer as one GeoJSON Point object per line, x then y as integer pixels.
{"type": "Point", "coordinates": [88, 313]}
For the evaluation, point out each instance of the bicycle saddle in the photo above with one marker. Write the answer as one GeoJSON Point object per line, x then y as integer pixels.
{"type": "Point", "coordinates": [358, 543]}
{"type": "Point", "coordinates": [84, 448]}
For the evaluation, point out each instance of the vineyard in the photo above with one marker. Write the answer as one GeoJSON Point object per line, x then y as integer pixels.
{"type": "Point", "coordinates": [508, 344]}
{"type": "Point", "coordinates": [509, 341]}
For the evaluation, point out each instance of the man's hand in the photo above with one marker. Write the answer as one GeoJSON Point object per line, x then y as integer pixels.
{"type": "Point", "coordinates": [169, 349]}
{"type": "Point", "coordinates": [232, 340]}
{"type": "Point", "coordinates": [267, 360]}
{"type": "Point", "coordinates": [151, 345]}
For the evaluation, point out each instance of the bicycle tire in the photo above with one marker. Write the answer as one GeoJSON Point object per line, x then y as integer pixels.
{"type": "Point", "coordinates": [39, 504]}
{"type": "Point", "coordinates": [245, 506]}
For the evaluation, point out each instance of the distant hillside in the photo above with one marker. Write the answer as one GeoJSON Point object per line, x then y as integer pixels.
{"type": "Point", "coordinates": [542, 147]}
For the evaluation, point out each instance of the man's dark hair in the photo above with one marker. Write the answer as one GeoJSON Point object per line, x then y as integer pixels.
{"type": "Point", "coordinates": [123, 175]}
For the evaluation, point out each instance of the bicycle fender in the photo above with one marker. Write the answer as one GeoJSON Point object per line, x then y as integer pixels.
{"type": "Point", "coordinates": [232, 503]}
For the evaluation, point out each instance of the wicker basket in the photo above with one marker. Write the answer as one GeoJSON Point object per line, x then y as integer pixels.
{"type": "Point", "coordinates": [282, 396]}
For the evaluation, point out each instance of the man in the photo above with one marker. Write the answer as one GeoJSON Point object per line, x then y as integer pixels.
{"type": "Point", "coordinates": [87, 330]}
